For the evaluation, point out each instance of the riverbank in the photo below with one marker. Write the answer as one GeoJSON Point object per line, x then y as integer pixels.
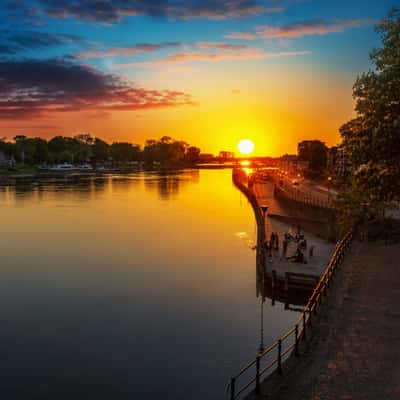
{"type": "Point", "coordinates": [35, 172]}
{"type": "Point", "coordinates": [355, 349]}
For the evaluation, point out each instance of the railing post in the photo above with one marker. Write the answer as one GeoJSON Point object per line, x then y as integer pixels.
{"type": "Point", "coordinates": [310, 318]}
{"type": "Point", "coordinates": [258, 391]}
{"type": "Point", "coordinates": [304, 326]}
{"type": "Point", "coordinates": [233, 388]}
{"type": "Point", "coordinates": [296, 340]}
{"type": "Point", "coordinates": [280, 356]}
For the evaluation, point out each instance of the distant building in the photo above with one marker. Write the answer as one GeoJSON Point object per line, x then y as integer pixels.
{"type": "Point", "coordinates": [343, 164]}
{"type": "Point", "coordinates": [291, 164]}
{"type": "Point", "coordinates": [306, 148]}
{"type": "Point", "coordinates": [206, 157]}
{"type": "Point", "coordinates": [338, 161]}
{"type": "Point", "coordinates": [226, 155]}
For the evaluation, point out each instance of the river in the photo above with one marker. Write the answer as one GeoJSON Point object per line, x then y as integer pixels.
{"type": "Point", "coordinates": [139, 286]}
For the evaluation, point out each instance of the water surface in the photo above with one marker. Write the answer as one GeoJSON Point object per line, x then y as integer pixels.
{"type": "Point", "coordinates": [140, 286]}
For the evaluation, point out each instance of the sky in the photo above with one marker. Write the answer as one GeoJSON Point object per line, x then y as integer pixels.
{"type": "Point", "coordinates": [210, 72]}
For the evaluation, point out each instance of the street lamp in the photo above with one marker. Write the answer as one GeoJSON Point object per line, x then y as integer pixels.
{"type": "Point", "coordinates": [329, 186]}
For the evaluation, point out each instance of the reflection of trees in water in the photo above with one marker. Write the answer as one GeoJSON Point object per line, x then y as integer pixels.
{"type": "Point", "coordinates": [168, 184]}
{"type": "Point", "coordinates": [124, 183]}
{"type": "Point", "coordinates": [84, 187]}
{"type": "Point", "coordinates": [63, 187]}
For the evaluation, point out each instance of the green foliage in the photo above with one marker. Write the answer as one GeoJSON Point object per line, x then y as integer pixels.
{"type": "Point", "coordinates": [372, 139]}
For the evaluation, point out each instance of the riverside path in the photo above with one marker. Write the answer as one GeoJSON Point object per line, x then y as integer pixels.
{"type": "Point", "coordinates": [355, 350]}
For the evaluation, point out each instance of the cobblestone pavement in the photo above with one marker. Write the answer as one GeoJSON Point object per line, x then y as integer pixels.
{"type": "Point", "coordinates": [355, 350]}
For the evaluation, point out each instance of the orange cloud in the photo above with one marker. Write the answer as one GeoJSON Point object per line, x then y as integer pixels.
{"type": "Point", "coordinates": [223, 46]}
{"type": "Point", "coordinates": [308, 28]}
{"type": "Point", "coordinates": [187, 57]}
{"type": "Point", "coordinates": [241, 36]}
{"type": "Point", "coordinates": [300, 29]}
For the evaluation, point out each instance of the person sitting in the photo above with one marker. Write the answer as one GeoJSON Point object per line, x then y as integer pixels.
{"type": "Point", "coordinates": [298, 257]}
{"type": "Point", "coordinates": [303, 244]}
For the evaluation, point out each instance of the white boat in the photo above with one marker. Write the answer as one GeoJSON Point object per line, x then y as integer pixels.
{"type": "Point", "coordinates": [84, 167]}
{"type": "Point", "coordinates": [63, 167]}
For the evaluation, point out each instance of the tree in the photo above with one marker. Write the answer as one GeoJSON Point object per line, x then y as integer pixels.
{"type": "Point", "coordinates": [124, 152]}
{"type": "Point", "coordinates": [41, 152]}
{"type": "Point", "coordinates": [372, 139]}
{"type": "Point", "coordinates": [316, 153]}
{"type": "Point", "coordinates": [101, 150]}
{"type": "Point", "coordinates": [192, 155]}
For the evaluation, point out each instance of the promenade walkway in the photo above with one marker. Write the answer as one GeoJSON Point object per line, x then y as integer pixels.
{"type": "Point", "coordinates": [322, 249]}
{"type": "Point", "coordinates": [355, 350]}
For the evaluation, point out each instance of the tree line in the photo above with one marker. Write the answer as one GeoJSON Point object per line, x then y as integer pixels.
{"type": "Point", "coordinates": [87, 149]}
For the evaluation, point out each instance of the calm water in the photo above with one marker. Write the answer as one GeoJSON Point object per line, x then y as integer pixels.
{"type": "Point", "coordinates": [128, 287]}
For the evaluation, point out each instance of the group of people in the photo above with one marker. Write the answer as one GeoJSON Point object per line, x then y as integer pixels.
{"type": "Point", "coordinates": [298, 238]}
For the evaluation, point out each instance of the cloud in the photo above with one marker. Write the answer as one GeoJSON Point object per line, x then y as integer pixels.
{"type": "Point", "coordinates": [148, 48]}
{"type": "Point", "coordinates": [300, 29]}
{"type": "Point", "coordinates": [126, 51]}
{"type": "Point", "coordinates": [306, 28]}
{"type": "Point", "coordinates": [29, 88]}
{"type": "Point", "coordinates": [110, 11]}
{"type": "Point", "coordinates": [223, 46]}
{"type": "Point", "coordinates": [178, 58]}
{"type": "Point", "coordinates": [15, 41]}
{"type": "Point", "coordinates": [241, 36]}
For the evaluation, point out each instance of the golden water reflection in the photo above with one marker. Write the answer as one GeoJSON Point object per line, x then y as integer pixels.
{"type": "Point", "coordinates": [106, 280]}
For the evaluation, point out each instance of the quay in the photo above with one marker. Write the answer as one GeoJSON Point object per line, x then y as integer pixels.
{"type": "Point", "coordinates": [346, 343]}
{"type": "Point", "coordinates": [354, 350]}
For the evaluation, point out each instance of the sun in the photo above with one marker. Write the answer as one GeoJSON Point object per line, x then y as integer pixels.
{"type": "Point", "coordinates": [246, 146]}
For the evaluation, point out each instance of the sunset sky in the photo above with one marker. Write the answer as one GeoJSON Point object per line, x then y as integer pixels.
{"type": "Point", "coordinates": [209, 72]}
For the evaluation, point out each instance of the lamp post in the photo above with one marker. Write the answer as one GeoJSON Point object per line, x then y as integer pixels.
{"type": "Point", "coordinates": [329, 185]}
{"type": "Point", "coordinates": [264, 209]}
{"type": "Point", "coordinates": [261, 348]}
{"type": "Point", "coordinates": [329, 188]}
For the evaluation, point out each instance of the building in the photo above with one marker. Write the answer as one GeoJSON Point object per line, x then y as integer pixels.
{"type": "Point", "coordinates": [226, 155]}
{"type": "Point", "coordinates": [338, 161]}
{"type": "Point", "coordinates": [206, 157]}
{"type": "Point", "coordinates": [291, 164]}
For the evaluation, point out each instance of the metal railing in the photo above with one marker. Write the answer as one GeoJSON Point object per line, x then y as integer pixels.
{"type": "Point", "coordinates": [274, 355]}
{"type": "Point", "coordinates": [305, 198]}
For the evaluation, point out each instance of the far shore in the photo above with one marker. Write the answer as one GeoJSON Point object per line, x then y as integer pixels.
{"type": "Point", "coordinates": [35, 173]}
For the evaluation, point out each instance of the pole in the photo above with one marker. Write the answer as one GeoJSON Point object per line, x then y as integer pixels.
{"type": "Point", "coordinates": [258, 391]}
{"type": "Point", "coordinates": [280, 356]}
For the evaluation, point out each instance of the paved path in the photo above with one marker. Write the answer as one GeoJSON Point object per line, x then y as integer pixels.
{"type": "Point", "coordinates": [355, 352]}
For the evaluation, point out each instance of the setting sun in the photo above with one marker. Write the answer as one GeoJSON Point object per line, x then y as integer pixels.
{"type": "Point", "coordinates": [246, 146]}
